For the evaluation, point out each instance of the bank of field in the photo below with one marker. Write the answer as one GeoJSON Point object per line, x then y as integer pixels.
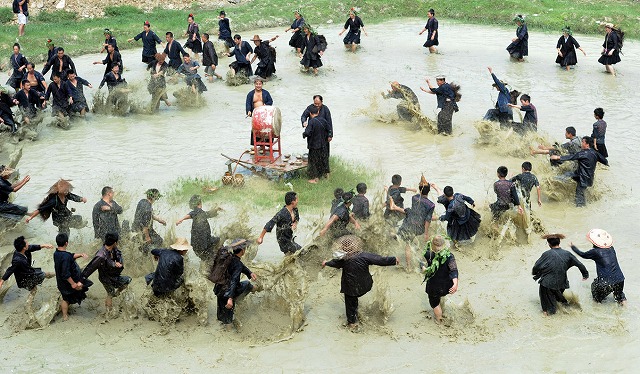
{"type": "Point", "coordinates": [80, 35]}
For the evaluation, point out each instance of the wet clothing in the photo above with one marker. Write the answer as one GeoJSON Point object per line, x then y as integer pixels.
{"type": "Point", "coordinates": [441, 281]}
{"type": "Point", "coordinates": [224, 29]}
{"type": "Point", "coordinates": [194, 45]}
{"type": "Point", "coordinates": [297, 37]}
{"type": "Point", "coordinates": [572, 146]}
{"type": "Point", "coordinates": [149, 41]}
{"type": "Point", "coordinates": [174, 51]}
{"type": "Point", "coordinates": [284, 231]}
{"type": "Point", "coordinates": [241, 64]}
{"type": "Point", "coordinates": [232, 288]}
{"type": "Point", "coordinates": [27, 276]}
{"type": "Point", "coordinates": [409, 105]}
{"type": "Point", "coordinates": [39, 78]}
{"type": "Point", "coordinates": [267, 64]}
{"type": "Point", "coordinates": [108, 273]}
{"type": "Point", "coordinates": [431, 26]}
{"type": "Point", "coordinates": [354, 25]}
{"type": "Point", "coordinates": [6, 102]}
{"type": "Point", "coordinates": [31, 103]}
{"type": "Point", "coordinates": [527, 181]}
{"type": "Point", "coordinates": [311, 49]}
{"type": "Point", "coordinates": [169, 272]}
{"type": "Point", "coordinates": [323, 113]}
{"type": "Point", "coordinates": [530, 120]}
{"type": "Point", "coordinates": [502, 111]}
{"type": "Point", "coordinates": [202, 242]}
{"type": "Point", "coordinates": [157, 85]}
{"type": "Point", "coordinates": [598, 133]}
{"type": "Point", "coordinates": [360, 207]}
{"type": "Point", "coordinates": [446, 102]}
{"type": "Point", "coordinates": [7, 209]}
{"type": "Point", "coordinates": [551, 272]}
{"type": "Point", "coordinates": [105, 221]}
{"type": "Point", "coordinates": [76, 92]}
{"type": "Point", "coordinates": [191, 77]}
{"type": "Point", "coordinates": [60, 101]}
{"type": "Point", "coordinates": [339, 227]}
{"type": "Point", "coordinates": [112, 81]}
{"type": "Point", "coordinates": [112, 59]}
{"type": "Point", "coordinates": [520, 47]}
{"type": "Point", "coordinates": [585, 173]}
{"type": "Point", "coordinates": [462, 221]}
{"type": "Point", "coordinates": [416, 217]}
{"type": "Point", "coordinates": [506, 195]}
{"type": "Point", "coordinates": [609, 276]}
{"type": "Point", "coordinates": [66, 267]}
{"type": "Point", "coordinates": [59, 66]}
{"type": "Point", "coordinates": [394, 193]}
{"type": "Point", "coordinates": [611, 42]}
{"type": "Point", "coordinates": [334, 205]}
{"type": "Point", "coordinates": [209, 55]}
{"type": "Point", "coordinates": [61, 216]}
{"type": "Point", "coordinates": [144, 218]}
{"type": "Point", "coordinates": [356, 280]}
{"type": "Point", "coordinates": [17, 61]}
{"type": "Point", "coordinates": [567, 47]}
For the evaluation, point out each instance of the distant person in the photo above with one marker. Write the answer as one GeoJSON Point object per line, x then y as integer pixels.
{"type": "Point", "coordinates": [52, 50]}
{"type": "Point", "coordinates": [353, 24]}
{"type": "Point", "coordinates": [551, 272]}
{"type": "Point", "coordinates": [209, 58]}
{"type": "Point", "coordinates": [447, 96]}
{"type": "Point", "coordinates": [519, 47]}
{"type": "Point", "coordinates": [506, 194]}
{"type": "Point", "coordinates": [21, 9]}
{"type": "Point", "coordinates": [105, 215]}
{"type": "Point", "coordinates": [224, 30]}
{"type": "Point", "coordinates": [566, 48]}
{"type": "Point", "coordinates": [21, 268]}
{"type": "Point", "coordinates": [440, 273]}
{"type": "Point", "coordinates": [71, 284]}
{"type": "Point", "coordinates": [613, 40]}
{"type": "Point", "coordinates": [361, 203]}
{"type": "Point", "coordinates": [285, 222]}
{"type": "Point", "coordinates": [173, 50]}
{"type": "Point", "coordinates": [527, 180]}
{"type": "Point", "coordinates": [432, 32]}
{"type": "Point", "coordinates": [55, 205]}
{"type": "Point", "coordinates": [337, 200]}
{"type": "Point", "coordinates": [194, 43]}
{"type": "Point", "coordinates": [312, 50]}
{"type": "Point", "coordinates": [609, 276]}
{"type": "Point", "coordinates": [149, 41]}
{"type": "Point", "coordinates": [599, 132]}
{"type": "Point", "coordinates": [143, 220]}
{"type": "Point", "coordinates": [202, 241]}
{"type": "Point", "coordinates": [297, 40]}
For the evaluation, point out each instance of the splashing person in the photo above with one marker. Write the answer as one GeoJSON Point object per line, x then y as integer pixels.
{"type": "Point", "coordinates": [462, 221]}
{"type": "Point", "coordinates": [432, 32]}
{"type": "Point", "coordinates": [113, 78]}
{"type": "Point", "coordinates": [173, 50]}
{"type": "Point", "coordinates": [530, 120]}
{"type": "Point", "coordinates": [317, 132]}
{"type": "Point", "coordinates": [584, 175]}
{"type": "Point", "coordinates": [356, 280]}
{"type": "Point", "coordinates": [9, 210]}
{"type": "Point", "coordinates": [527, 180]}
{"type": "Point", "coordinates": [72, 285]}
{"type": "Point", "coordinates": [109, 264]}
{"type": "Point", "coordinates": [409, 105]}
{"type": "Point", "coordinates": [55, 205]}
{"type": "Point", "coordinates": [285, 222]}
{"type": "Point", "coordinates": [267, 55]}
{"type": "Point", "coordinates": [440, 273]}
{"type": "Point", "coordinates": [340, 219]}
{"type": "Point", "coordinates": [447, 96]}
{"type": "Point", "coordinates": [209, 58]}
{"type": "Point", "coordinates": [157, 86]}
{"type": "Point", "coordinates": [599, 132]}
{"type": "Point", "coordinates": [204, 244]}
{"type": "Point", "coordinates": [241, 51]}
{"type": "Point", "coordinates": [73, 86]}
{"type": "Point", "coordinates": [506, 194]}
{"type": "Point", "coordinates": [353, 24]}
{"type": "Point", "coordinates": [193, 36]}
{"type": "Point", "coordinates": [59, 64]}
{"type": "Point", "coordinates": [394, 192]}
{"type": "Point", "coordinates": [566, 48]}
{"type": "Point", "coordinates": [325, 113]}
{"type": "Point", "coordinates": [609, 276]}
{"type": "Point", "coordinates": [297, 40]}
{"type": "Point", "coordinates": [29, 101]}
{"type": "Point", "coordinates": [113, 58]}
{"type": "Point", "coordinates": [502, 111]}
{"type": "Point", "coordinates": [6, 114]}
{"type": "Point", "coordinates": [313, 49]}
{"type": "Point", "coordinates": [105, 215]}
{"type": "Point", "coordinates": [610, 55]}
{"type": "Point", "coordinates": [149, 41]}
{"type": "Point", "coordinates": [224, 30]}
{"type": "Point", "coordinates": [59, 97]}
{"type": "Point", "coordinates": [191, 77]}
{"type": "Point", "coordinates": [19, 65]}
{"type": "Point", "coordinates": [361, 203]}
{"type": "Point", "coordinates": [169, 274]}
{"type": "Point", "coordinates": [109, 40]}
{"type": "Point", "coordinates": [550, 270]}
{"type": "Point", "coordinates": [519, 47]}
{"type": "Point", "coordinates": [143, 220]}
{"type": "Point", "coordinates": [571, 146]}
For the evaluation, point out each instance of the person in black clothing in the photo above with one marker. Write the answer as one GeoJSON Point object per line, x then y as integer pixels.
{"type": "Point", "coordinates": [584, 175]}
{"type": "Point", "coordinates": [340, 218]}
{"type": "Point", "coordinates": [566, 48]}
{"type": "Point", "coordinates": [241, 52]}
{"type": "Point", "coordinates": [286, 222]}
{"type": "Point", "coordinates": [609, 276]}
{"type": "Point", "coordinates": [409, 105]}
{"type": "Point", "coordinates": [506, 194]}
{"type": "Point", "coordinates": [74, 87]}
{"type": "Point", "coordinates": [60, 101]}
{"type": "Point", "coordinates": [611, 47]}
{"type": "Point", "coordinates": [157, 86]}
{"type": "Point", "coordinates": [209, 58]}
{"type": "Point", "coordinates": [356, 280]}
{"type": "Point", "coordinates": [324, 113]}
{"type": "Point", "coordinates": [169, 274]}
{"type": "Point", "coordinates": [193, 36]}
{"type": "Point", "coordinates": [143, 220]}
{"type": "Point", "coordinates": [19, 65]}
{"type": "Point", "coordinates": [52, 50]}
{"type": "Point", "coordinates": [105, 215]}
{"type": "Point", "coordinates": [530, 120]}
{"type": "Point", "coordinates": [55, 205]}
{"type": "Point", "coordinates": [173, 50]}
{"type": "Point", "coordinates": [462, 222]}
{"type": "Point", "coordinates": [312, 49]}
{"type": "Point", "coordinates": [59, 64]}
{"type": "Point", "coordinates": [361, 203]}
{"type": "Point", "coordinates": [527, 180]}
{"type": "Point", "coordinates": [37, 80]}
{"type": "Point", "coordinates": [432, 35]}
{"type": "Point", "coordinates": [440, 273]}
{"type": "Point", "coordinates": [599, 132]}
{"type": "Point", "coordinates": [224, 30]}
{"type": "Point", "coordinates": [8, 210]}
{"type": "Point", "coordinates": [395, 192]}
{"type": "Point", "coordinates": [109, 40]}
{"type": "Point", "coordinates": [149, 41]}
{"type": "Point", "coordinates": [232, 288]}
{"type": "Point", "coordinates": [113, 78]}
{"type": "Point", "coordinates": [337, 200]}
{"type": "Point", "coordinates": [27, 276]}
{"type": "Point", "coordinates": [353, 24]}
{"type": "Point", "coordinates": [297, 40]}
{"type": "Point", "coordinates": [519, 47]}
{"type": "Point", "coordinates": [108, 261]}
{"type": "Point", "coordinates": [551, 272]}
{"type": "Point", "coordinates": [113, 58]}
{"type": "Point", "coordinates": [29, 101]}
{"type": "Point", "coordinates": [71, 284]}
{"type": "Point", "coordinates": [203, 243]}
{"type": "Point", "coordinates": [447, 96]}
{"type": "Point", "coordinates": [6, 114]}
{"type": "Point", "coordinates": [316, 132]}
{"type": "Point", "coordinates": [267, 55]}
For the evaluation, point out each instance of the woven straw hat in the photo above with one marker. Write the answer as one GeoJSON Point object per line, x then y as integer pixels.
{"type": "Point", "coordinates": [600, 238]}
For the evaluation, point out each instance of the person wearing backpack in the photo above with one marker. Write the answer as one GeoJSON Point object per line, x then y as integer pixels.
{"type": "Point", "coordinates": [611, 47]}
{"type": "Point", "coordinates": [226, 272]}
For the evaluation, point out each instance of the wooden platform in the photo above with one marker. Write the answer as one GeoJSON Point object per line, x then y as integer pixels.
{"type": "Point", "coordinates": [264, 168]}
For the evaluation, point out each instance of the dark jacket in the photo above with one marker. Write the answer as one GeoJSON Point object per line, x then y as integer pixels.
{"type": "Point", "coordinates": [324, 113]}
{"type": "Point", "coordinates": [316, 133]}
{"type": "Point", "coordinates": [29, 103]}
{"type": "Point", "coordinates": [169, 272]}
{"type": "Point", "coordinates": [266, 99]}
{"type": "Point", "coordinates": [174, 54]}
{"type": "Point", "coordinates": [283, 222]}
{"type": "Point", "coordinates": [54, 207]}
{"type": "Point", "coordinates": [60, 95]}
{"type": "Point", "coordinates": [587, 160]}
{"type": "Point", "coordinates": [607, 267]}
{"type": "Point", "coordinates": [111, 80]}
{"type": "Point", "coordinates": [551, 268]}
{"type": "Point", "coordinates": [504, 97]}
{"type": "Point", "coordinates": [360, 207]}
{"type": "Point", "coordinates": [444, 93]}
{"type": "Point", "coordinates": [54, 64]}
{"type": "Point", "coordinates": [209, 55]}
{"type": "Point", "coordinates": [456, 209]}
{"type": "Point", "coordinates": [235, 269]}
{"type": "Point", "coordinates": [149, 41]}
{"type": "Point", "coordinates": [21, 267]}
{"type": "Point", "coordinates": [105, 221]}
{"type": "Point", "coordinates": [105, 262]}
{"type": "Point", "coordinates": [442, 280]}
{"type": "Point", "coordinates": [66, 267]}
{"type": "Point", "coordinates": [356, 279]}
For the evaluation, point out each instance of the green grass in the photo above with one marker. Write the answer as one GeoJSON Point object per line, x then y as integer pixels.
{"type": "Point", "coordinates": [264, 194]}
{"type": "Point", "coordinates": [79, 35]}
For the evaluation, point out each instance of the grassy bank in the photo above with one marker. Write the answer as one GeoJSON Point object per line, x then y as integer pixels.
{"type": "Point", "coordinates": [85, 35]}
{"type": "Point", "coordinates": [263, 194]}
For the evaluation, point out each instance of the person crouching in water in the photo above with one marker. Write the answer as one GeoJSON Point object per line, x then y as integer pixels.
{"type": "Point", "coordinates": [231, 287]}
{"type": "Point", "coordinates": [356, 280]}
{"type": "Point", "coordinates": [440, 273]}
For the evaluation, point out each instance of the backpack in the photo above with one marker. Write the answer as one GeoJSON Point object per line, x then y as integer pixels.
{"type": "Point", "coordinates": [273, 53]}
{"type": "Point", "coordinates": [218, 272]}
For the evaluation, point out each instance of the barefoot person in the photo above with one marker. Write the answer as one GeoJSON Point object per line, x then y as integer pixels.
{"type": "Point", "coordinates": [353, 24]}
{"type": "Point", "coordinates": [71, 284]}
{"type": "Point", "coordinates": [356, 280]}
{"type": "Point", "coordinates": [143, 221]}
{"type": "Point", "coordinates": [203, 243]}
{"type": "Point", "coordinates": [267, 56]}
{"type": "Point", "coordinates": [297, 40]}
{"type": "Point", "coordinates": [285, 222]}
{"type": "Point", "coordinates": [440, 273]}
{"type": "Point", "coordinates": [447, 96]}
{"type": "Point", "coordinates": [55, 205]}
{"type": "Point", "coordinates": [611, 47]}
{"type": "Point", "coordinates": [316, 132]}
{"type": "Point", "coordinates": [209, 58]}
{"type": "Point", "coordinates": [105, 215]}
{"type": "Point", "coordinates": [551, 272]}
{"type": "Point", "coordinates": [432, 34]}
{"type": "Point", "coordinates": [566, 48]}
{"type": "Point", "coordinates": [519, 47]}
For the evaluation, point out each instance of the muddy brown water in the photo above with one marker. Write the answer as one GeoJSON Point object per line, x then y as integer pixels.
{"type": "Point", "coordinates": [494, 319]}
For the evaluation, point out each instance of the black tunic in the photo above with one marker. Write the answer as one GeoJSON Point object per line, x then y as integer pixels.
{"type": "Point", "coordinates": [111, 60]}
{"type": "Point", "coordinates": [568, 49]}
{"type": "Point", "coordinates": [284, 228]}
{"type": "Point", "coordinates": [201, 239]}
{"type": "Point", "coordinates": [149, 41]}
{"type": "Point", "coordinates": [193, 45]}
{"type": "Point", "coordinates": [209, 55]}
{"type": "Point", "coordinates": [356, 279]}
{"type": "Point", "coordinates": [17, 61]}
{"type": "Point", "coordinates": [551, 268]}
{"type": "Point", "coordinates": [60, 98]}
{"type": "Point", "coordinates": [235, 269]}
{"type": "Point", "coordinates": [431, 26]}
{"type": "Point", "coordinates": [442, 280]}
{"type": "Point", "coordinates": [169, 272]}
{"type": "Point", "coordinates": [26, 275]}
{"type": "Point", "coordinates": [143, 216]}
{"type": "Point", "coordinates": [520, 47]}
{"type": "Point", "coordinates": [587, 160]}
{"type": "Point", "coordinates": [360, 207]}
{"type": "Point", "coordinates": [105, 262]}
{"type": "Point", "coordinates": [58, 210]}
{"type": "Point", "coordinates": [105, 221]}
{"type": "Point", "coordinates": [311, 51]}
{"type": "Point", "coordinates": [112, 81]}
{"type": "Point", "coordinates": [611, 42]}
{"type": "Point", "coordinates": [31, 103]}
{"type": "Point", "coordinates": [66, 267]}
{"type": "Point", "coordinates": [59, 66]}
{"type": "Point", "coordinates": [323, 113]}
{"type": "Point", "coordinates": [173, 53]}
{"type": "Point", "coordinates": [353, 36]}
{"type": "Point", "coordinates": [266, 66]}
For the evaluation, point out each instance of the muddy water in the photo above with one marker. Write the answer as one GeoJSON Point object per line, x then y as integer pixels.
{"type": "Point", "coordinates": [494, 320]}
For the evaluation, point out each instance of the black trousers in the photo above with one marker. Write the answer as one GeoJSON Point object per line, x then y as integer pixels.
{"type": "Point", "coordinates": [351, 306]}
{"type": "Point", "coordinates": [445, 117]}
{"type": "Point", "coordinates": [226, 315]}
{"type": "Point", "coordinates": [580, 199]}
{"type": "Point", "coordinates": [601, 289]}
{"type": "Point", "coordinates": [549, 299]}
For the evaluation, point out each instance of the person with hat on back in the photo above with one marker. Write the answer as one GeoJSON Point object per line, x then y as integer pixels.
{"type": "Point", "coordinates": [7, 209]}
{"type": "Point", "coordinates": [169, 274]}
{"type": "Point", "coordinates": [143, 220]}
{"type": "Point", "coordinates": [609, 276]}
{"type": "Point", "coordinates": [149, 41]}
{"type": "Point", "coordinates": [551, 272]}
{"type": "Point", "coordinates": [229, 288]}
{"type": "Point", "coordinates": [267, 55]}
{"type": "Point", "coordinates": [440, 273]}
{"type": "Point", "coordinates": [447, 95]}
{"type": "Point", "coordinates": [109, 40]}
{"type": "Point", "coordinates": [55, 205]}
{"type": "Point", "coordinates": [611, 47]}
{"type": "Point", "coordinates": [356, 280]}
{"type": "Point", "coordinates": [341, 217]}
